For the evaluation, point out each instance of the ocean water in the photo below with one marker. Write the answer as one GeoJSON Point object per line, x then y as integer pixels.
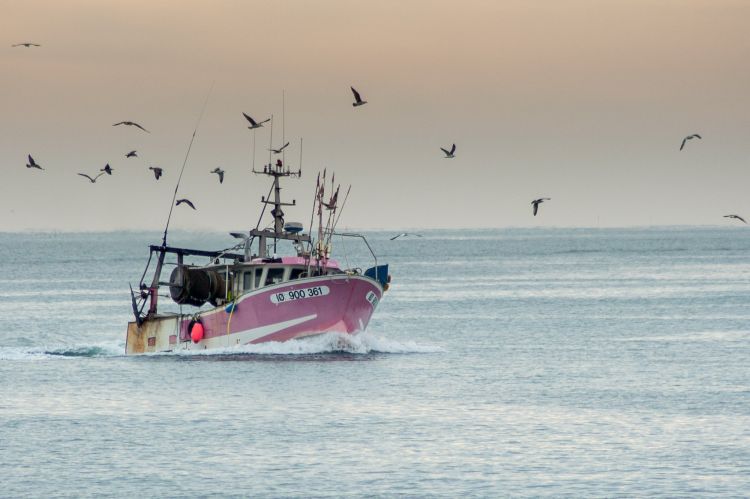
{"type": "Point", "coordinates": [519, 362]}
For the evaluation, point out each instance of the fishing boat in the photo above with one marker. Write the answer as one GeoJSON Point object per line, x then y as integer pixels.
{"type": "Point", "coordinates": [250, 293]}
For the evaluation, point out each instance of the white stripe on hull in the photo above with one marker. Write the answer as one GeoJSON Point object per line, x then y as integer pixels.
{"type": "Point", "coordinates": [242, 337]}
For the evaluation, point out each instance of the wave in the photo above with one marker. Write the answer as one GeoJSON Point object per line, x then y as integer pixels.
{"type": "Point", "coordinates": [42, 353]}
{"type": "Point", "coordinates": [701, 336]}
{"type": "Point", "coordinates": [329, 343]}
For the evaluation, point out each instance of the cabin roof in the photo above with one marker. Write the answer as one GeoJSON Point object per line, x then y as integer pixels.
{"type": "Point", "coordinates": [299, 260]}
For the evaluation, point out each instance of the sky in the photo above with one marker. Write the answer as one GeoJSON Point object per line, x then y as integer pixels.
{"type": "Point", "coordinates": [582, 101]}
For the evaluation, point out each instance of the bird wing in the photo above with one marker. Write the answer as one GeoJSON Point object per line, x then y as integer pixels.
{"type": "Point", "coordinates": [396, 236]}
{"type": "Point", "coordinates": [221, 177]}
{"type": "Point", "coordinates": [740, 218]}
{"type": "Point", "coordinates": [453, 149]}
{"type": "Point", "coordinates": [698, 136]}
{"type": "Point", "coordinates": [445, 151]}
{"type": "Point", "coordinates": [683, 143]}
{"type": "Point", "coordinates": [120, 123]}
{"type": "Point", "coordinates": [284, 146]}
{"type": "Point", "coordinates": [84, 175]}
{"type": "Point", "coordinates": [186, 201]}
{"type": "Point", "coordinates": [139, 126]}
{"type": "Point", "coordinates": [536, 207]}
{"type": "Point", "coordinates": [265, 120]}
{"type": "Point", "coordinates": [97, 176]}
{"type": "Point", "coordinates": [248, 118]}
{"type": "Point", "coordinates": [31, 160]}
{"type": "Point", "coordinates": [356, 95]}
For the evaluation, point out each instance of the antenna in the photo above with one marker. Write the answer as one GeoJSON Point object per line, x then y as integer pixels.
{"type": "Point", "coordinates": [254, 138]}
{"type": "Point", "coordinates": [182, 170]}
{"type": "Point", "coordinates": [299, 173]}
{"type": "Point", "coordinates": [270, 146]}
{"type": "Point", "coordinates": [283, 125]}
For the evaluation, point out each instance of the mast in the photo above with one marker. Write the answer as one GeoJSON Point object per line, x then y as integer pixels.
{"type": "Point", "coordinates": [277, 171]}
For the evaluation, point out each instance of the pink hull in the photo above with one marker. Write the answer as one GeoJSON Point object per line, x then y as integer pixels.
{"type": "Point", "coordinates": [281, 312]}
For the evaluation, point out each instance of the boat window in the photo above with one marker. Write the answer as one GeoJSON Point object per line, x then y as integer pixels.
{"type": "Point", "coordinates": [274, 276]}
{"type": "Point", "coordinates": [247, 280]}
{"type": "Point", "coordinates": [295, 274]}
{"type": "Point", "coordinates": [258, 273]}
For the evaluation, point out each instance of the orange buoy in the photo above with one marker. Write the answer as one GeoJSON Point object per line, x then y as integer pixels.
{"type": "Point", "coordinates": [196, 332]}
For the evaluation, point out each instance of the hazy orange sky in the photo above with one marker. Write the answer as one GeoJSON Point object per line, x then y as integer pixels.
{"type": "Point", "coordinates": [585, 102]}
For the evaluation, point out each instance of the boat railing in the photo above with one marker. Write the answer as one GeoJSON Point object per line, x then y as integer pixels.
{"type": "Point", "coordinates": [361, 236]}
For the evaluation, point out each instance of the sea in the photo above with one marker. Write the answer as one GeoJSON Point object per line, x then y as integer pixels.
{"type": "Point", "coordinates": [501, 362]}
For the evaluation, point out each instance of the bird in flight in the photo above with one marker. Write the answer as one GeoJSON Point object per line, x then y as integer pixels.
{"type": "Point", "coordinates": [537, 202]}
{"type": "Point", "coordinates": [92, 180]}
{"type": "Point", "coordinates": [186, 201]}
{"type": "Point", "coordinates": [357, 99]}
{"type": "Point", "coordinates": [405, 234]}
{"type": "Point", "coordinates": [32, 163]}
{"type": "Point", "coordinates": [157, 171]}
{"type": "Point", "coordinates": [131, 123]}
{"type": "Point", "coordinates": [278, 151]}
{"type": "Point", "coordinates": [132, 154]}
{"type": "Point", "coordinates": [451, 153]}
{"type": "Point", "coordinates": [735, 216]}
{"type": "Point", "coordinates": [689, 137]}
{"type": "Point", "coordinates": [107, 169]}
{"type": "Point", "coordinates": [26, 44]}
{"type": "Point", "coordinates": [253, 123]}
{"type": "Point", "coordinates": [218, 171]}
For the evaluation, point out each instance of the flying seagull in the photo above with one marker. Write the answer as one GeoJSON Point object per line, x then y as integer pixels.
{"type": "Point", "coordinates": [689, 137]}
{"type": "Point", "coordinates": [131, 123]}
{"type": "Point", "coordinates": [253, 123]}
{"type": "Point", "coordinates": [186, 201]}
{"type": "Point", "coordinates": [405, 234]}
{"type": "Point", "coordinates": [537, 202]}
{"type": "Point", "coordinates": [107, 169]}
{"type": "Point", "coordinates": [220, 173]}
{"type": "Point", "coordinates": [32, 163]}
{"type": "Point", "coordinates": [92, 180]}
{"type": "Point", "coordinates": [357, 99]}
{"type": "Point", "coordinates": [735, 216]}
{"type": "Point", "coordinates": [157, 171]}
{"type": "Point", "coordinates": [451, 153]}
{"type": "Point", "coordinates": [278, 151]}
{"type": "Point", "coordinates": [132, 154]}
{"type": "Point", "coordinates": [26, 44]}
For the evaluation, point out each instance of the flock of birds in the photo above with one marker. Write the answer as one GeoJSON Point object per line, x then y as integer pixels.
{"type": "Point", "coordinates": [358, 101]}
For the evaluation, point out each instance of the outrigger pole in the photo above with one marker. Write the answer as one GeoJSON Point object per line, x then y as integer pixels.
{"type": "Point", "coordinates": [187, 154]}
